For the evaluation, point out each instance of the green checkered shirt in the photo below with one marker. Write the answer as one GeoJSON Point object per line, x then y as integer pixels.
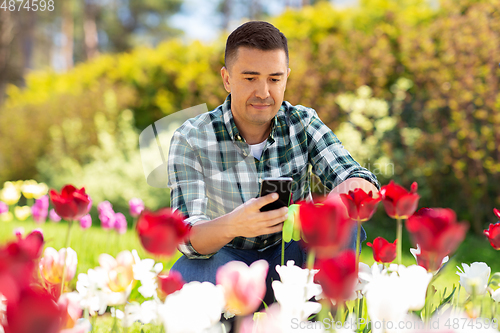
{"type": "Point", "coordinates": [211, 170]}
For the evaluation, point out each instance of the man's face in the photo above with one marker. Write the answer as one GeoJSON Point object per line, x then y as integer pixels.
{"type": "Point", "coordinates": [256, 80]}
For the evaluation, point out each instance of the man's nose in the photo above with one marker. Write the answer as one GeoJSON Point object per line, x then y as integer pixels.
{"type": "Point", "coordinates": [262, 90]}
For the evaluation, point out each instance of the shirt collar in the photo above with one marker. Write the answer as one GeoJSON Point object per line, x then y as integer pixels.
{"type": "Point", "coordinates": [233, 131]}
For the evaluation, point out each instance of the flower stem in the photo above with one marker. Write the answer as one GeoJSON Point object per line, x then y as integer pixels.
{"type": "Point", "coordinates": [310, 259]}
{"type": "Point", "coordinates": [400, 241]}
{"type": "Point", "coordinates": [68, 233]}
{"type": "Point", "coordinates": [282, 251]}
{"type": "Point", "coordinates": [339, 315]}
{"type": "Point", "coordinates": [358, 236]}
{"type": "Point", "coordinates": [428, 301]}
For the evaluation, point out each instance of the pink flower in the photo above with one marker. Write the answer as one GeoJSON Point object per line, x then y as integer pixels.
{"type": "Point", "coordinates": [103, 206]}
{"type": "Point", "coordinates": [244, 287]}
{"type": "Point", "coordinates": [120, 223]}
{"type": "Point", "coordinates": [3, 207]}
{"type": "Point", "coordinates": [120, 270]}
{"type": "Point", "coordinates": [136, 207]}
{"type": "Point", "coordinates": [40, 209]}
{"type": "Point", "coordinates": [52, 264]}
{"type": "Point", "coordinates": [86, 221]}
{"type": "Point", "coordinates": [53, 216]}
{"type": "Point", "coordinates": [69, 304]}
{"type": "Point", "coordinates": [106, 215]}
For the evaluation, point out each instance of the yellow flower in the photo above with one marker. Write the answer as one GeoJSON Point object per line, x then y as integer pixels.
{"type": "Point", "coordinates": [28, 188]}
{"type": "Point", "coordinates": [10, 194]}
{"type": "Point", "coordinates": [6, 217]}
{"type": "Point", "coordinates": [33, 190]}
{"type": "Point", "coordinates": [22, 213]}
{"type": "Point", "coordinates": [41, 190]}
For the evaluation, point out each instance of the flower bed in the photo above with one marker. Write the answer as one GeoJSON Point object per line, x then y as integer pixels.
{"type": "Point", "coordinates": [334, 292]}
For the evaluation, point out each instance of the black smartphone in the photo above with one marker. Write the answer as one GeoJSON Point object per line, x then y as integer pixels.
{"type": "Point", "coordinates": [280, 185]}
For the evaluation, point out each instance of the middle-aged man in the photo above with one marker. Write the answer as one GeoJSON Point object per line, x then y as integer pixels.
{"type": "Point", "coordinates": [217, 160]}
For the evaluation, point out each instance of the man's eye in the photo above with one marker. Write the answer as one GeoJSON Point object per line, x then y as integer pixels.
{"type": "Point", "coordinates": [249, 78]}
{"type": "Point", "coordinates": [275, 80]}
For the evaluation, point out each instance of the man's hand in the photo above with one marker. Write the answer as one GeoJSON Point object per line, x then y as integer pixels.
{"type": "Point", "coordinates": [248, 221]}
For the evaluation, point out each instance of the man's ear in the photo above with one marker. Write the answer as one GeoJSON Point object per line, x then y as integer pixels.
{"type": "Point", "coordinates": [287, 75]}
{"type": "Point", "coordinates": [224, 73]}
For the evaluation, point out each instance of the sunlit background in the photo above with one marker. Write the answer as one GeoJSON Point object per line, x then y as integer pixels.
{"type": "Point", "coordinates": [410, 87]}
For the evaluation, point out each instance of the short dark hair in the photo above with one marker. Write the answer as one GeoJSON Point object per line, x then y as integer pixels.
{"type": "Point", "coordinates": [255, 34]}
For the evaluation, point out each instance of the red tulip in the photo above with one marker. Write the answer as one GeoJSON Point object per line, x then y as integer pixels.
{"type": "Point", "coordinates": [437, 232]}
{"type": "Point", "coordinates": [493, 234]}
{"type": "Point", "coordinates": [71, 204]}
{"type": "Point", "coordinates": [17, 264]}
{"type": "Point", "coordinates": [338, 276]}
{"type": "Point", "coordinates": [383, 251]}
{"type": "Point", "coordinates": [36, 311]}
{"type": "Point", "coordinates": [326, 227]}
{"type": "Point", "coordinates": [160, 232]}
{"type": "Point", "coordinates": [169, 283]}
{"type": "Point", "coordinates": [360, 206]}
{"type": "Point", "coordinates": [398, 202]}
{"type": "Point", "coordinates": [431, 261]}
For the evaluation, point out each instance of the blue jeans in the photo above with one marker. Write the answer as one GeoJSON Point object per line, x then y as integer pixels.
{"type": "Point", "coordinates": [205, 269]}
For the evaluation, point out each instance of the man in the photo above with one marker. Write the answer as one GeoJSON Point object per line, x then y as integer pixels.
{"type": "Point", "coordinates": [217, 159]}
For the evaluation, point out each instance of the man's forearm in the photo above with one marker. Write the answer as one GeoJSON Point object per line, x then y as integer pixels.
{"type": "Point", "coordinates": [352, 183]}
{"type": "Point", "coordinates": [210, 236]}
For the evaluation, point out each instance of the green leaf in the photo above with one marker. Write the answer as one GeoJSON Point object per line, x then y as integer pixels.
{"type": "Point", "coordinates": [495, 280]}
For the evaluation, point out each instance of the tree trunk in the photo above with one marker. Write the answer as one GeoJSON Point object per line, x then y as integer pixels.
{"type": "Point", "coordinates": [6, 36]}
{"type": "Point", "coordinates": [90, 31]}
{"type": "Point", "coordinates": [26, 34]}
{"type": "Point", "coordinates": [68, 31]}
{"type": "Point", "coordinates": [226, 13]}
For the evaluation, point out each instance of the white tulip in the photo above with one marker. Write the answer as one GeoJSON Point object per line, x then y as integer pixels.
{"type": "Point", "coordinates": [474, 278]}
{"type": "Point", "coordinates": [195, 308]}
{"type": "Point", "coordinates": [416, 279]}
{"type": "Point", "coordinates": [387, 300]}
{"type": "Point", "coordinates": [295, 290]}
{"type": "Point", "coordinates": [146, 271]}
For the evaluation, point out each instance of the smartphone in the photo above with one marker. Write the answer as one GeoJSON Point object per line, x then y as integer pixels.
{"type": "Point", "coordinates": [280, 185]}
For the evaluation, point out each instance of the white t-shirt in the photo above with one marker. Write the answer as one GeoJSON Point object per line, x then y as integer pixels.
{"type": "Point", "coordinates": [256, 149]}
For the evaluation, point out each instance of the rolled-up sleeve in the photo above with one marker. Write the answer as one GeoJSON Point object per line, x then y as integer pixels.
{"type": "Point", "coordinates": [187, 188]}
{"type": "Point", "coordinates": [331, 162]}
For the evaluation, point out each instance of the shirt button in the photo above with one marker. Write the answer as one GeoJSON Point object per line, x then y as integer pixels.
{"type": "Point", "coordinates": [265, 242]}
{"type": "Point", "coordinates": [238, 137]}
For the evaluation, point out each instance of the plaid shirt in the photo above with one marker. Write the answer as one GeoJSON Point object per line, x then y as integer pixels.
{"type": "Point", "coordinates": [211, 170]}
